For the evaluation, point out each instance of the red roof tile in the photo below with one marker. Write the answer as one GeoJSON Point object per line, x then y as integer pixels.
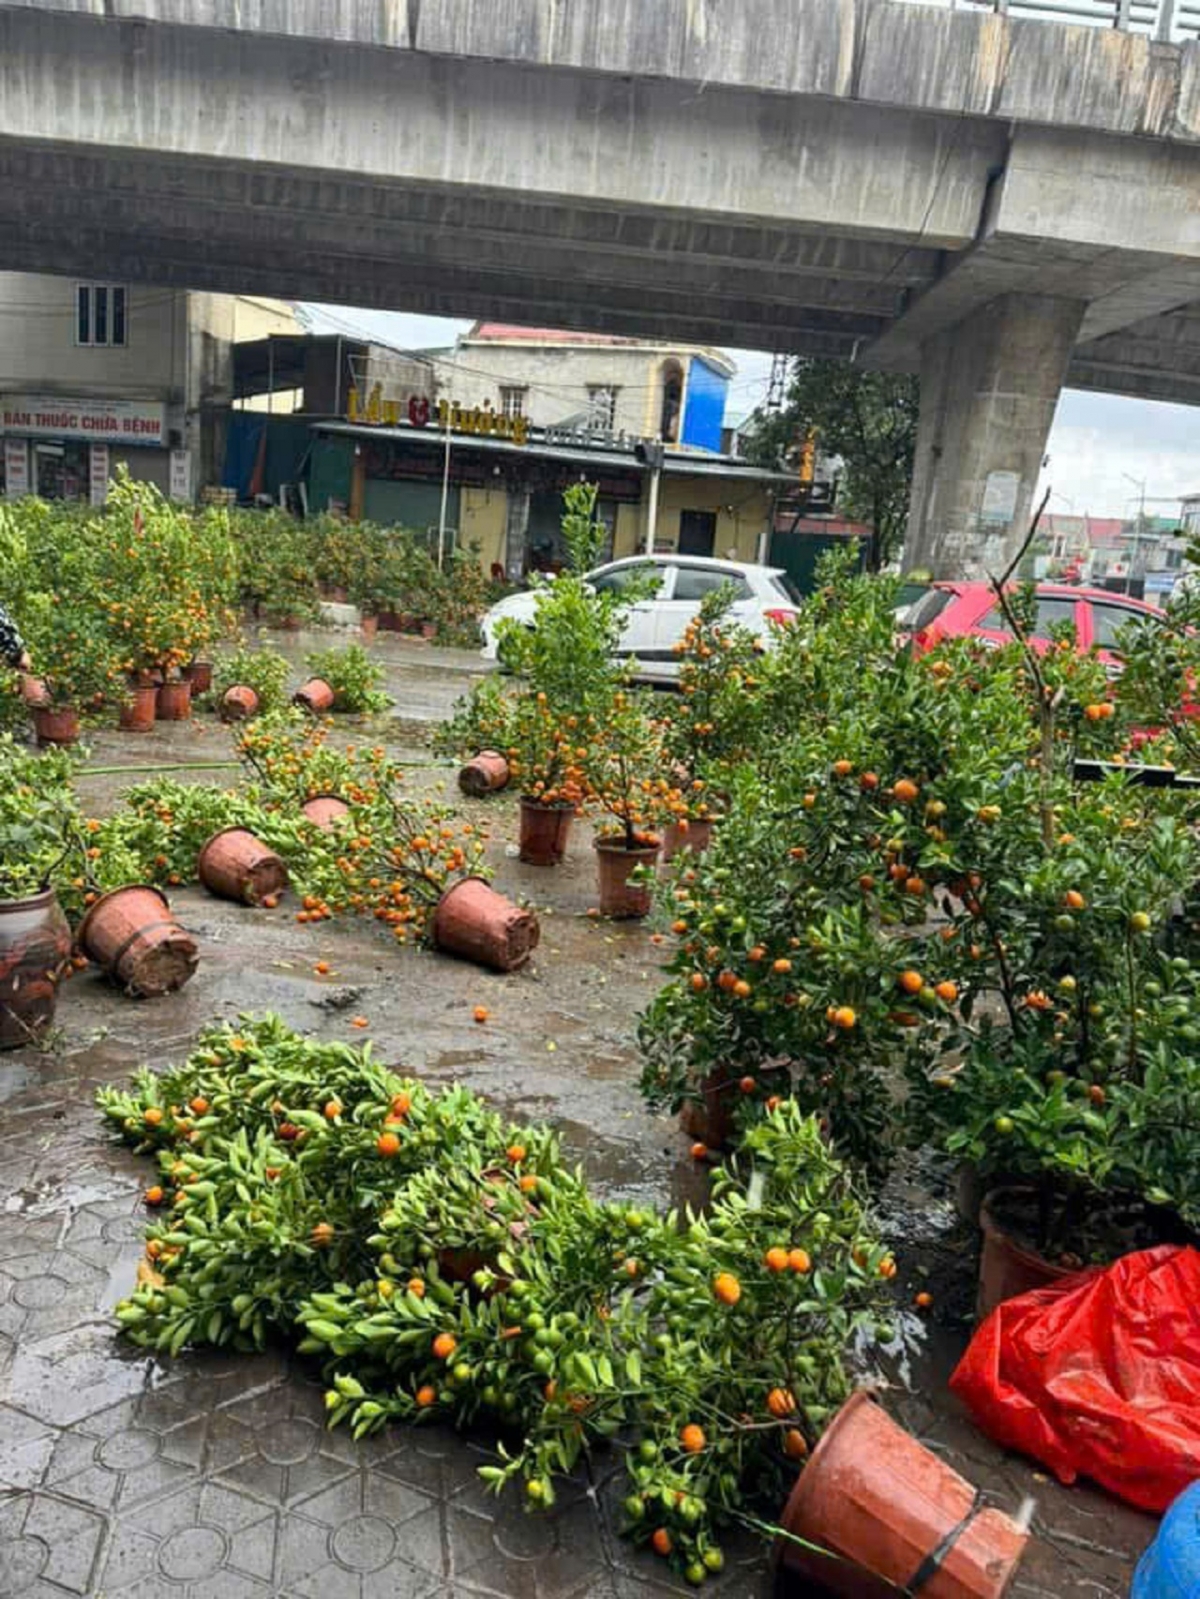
{"type": "Point", "coordinates": [510, 332]}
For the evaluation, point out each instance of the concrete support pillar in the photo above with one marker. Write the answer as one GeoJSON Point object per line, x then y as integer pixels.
{"type": "Point", "coordinates": [989, 386]}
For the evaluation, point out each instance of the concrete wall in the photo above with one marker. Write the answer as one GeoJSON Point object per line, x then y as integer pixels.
{"type": "Point", "coordinates": [214, 323]}
{"type": "Point", "coordinates": [38, 349]}
{"type": "Point", "coordinates": [743, 514]}
{"type": "Point", "coordinates": [869, 50]}
{"type": "Point", "coordinates": [178, 350]}
{"type": "Point", "coordinates": [988, 393]}
{"type": "Point", "coordinates": [558, 375]}
{"type": "Point", "coordinates": [377, 177]}
{"type": "Point", "coordinates": [629, 535]}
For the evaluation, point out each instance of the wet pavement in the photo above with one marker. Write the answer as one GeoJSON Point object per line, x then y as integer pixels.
{"type": "Point", "coordinates": [424, 678]}
{"type": "Point", "coordinates": [212, 1476]}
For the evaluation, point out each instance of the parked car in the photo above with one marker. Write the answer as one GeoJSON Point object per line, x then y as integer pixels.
{"type": "Point", "coordinates": [952, 610]}
{"type": "Point", "coordinates": [764, 595]}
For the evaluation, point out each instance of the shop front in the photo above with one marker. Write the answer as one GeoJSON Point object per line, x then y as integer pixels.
{"type": "Point", "coordinates": [64, 447]}
{"type": "Point", "coordinates": [502, 498]}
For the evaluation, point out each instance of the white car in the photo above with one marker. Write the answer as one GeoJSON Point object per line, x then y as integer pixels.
{"type": "Point", "coordinates": [764, 594]}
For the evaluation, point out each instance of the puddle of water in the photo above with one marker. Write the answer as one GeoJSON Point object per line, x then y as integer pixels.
{"type": "Point", "coordinates": [67, 1378]}
{"type": "Point", "coordinates": [53, 1198]}
{"type": "Point", "coordinates": [15, 1077]}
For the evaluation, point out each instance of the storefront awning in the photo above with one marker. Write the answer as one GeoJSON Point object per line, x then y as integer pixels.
{"type": "Point", "coordinates": [609, 459]}
{"type": "Point", "coordinates": [723, 466]}
{"type": "Point", "coordinates": [680, 464]}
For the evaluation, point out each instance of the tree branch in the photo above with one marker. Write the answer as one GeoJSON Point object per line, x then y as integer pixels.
{"type": "Point", "coordinates": [1025, 543]}
{"type": "Point", "coordinates": [1047, 704]}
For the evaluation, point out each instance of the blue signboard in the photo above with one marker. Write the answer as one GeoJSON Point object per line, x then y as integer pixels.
{"type": "Point", "coordinates": [704, 413]}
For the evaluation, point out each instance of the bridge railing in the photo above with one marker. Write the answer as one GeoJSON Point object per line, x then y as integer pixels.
{"type": "Point", "coordinates": [1168, 20]}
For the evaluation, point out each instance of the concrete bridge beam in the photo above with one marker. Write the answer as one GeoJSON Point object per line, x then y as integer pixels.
{"type": "Point", "coordinates": [988, 390]}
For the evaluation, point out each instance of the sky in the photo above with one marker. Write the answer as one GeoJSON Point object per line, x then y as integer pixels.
{"type": "Point", "coordinates": [1097, 444]}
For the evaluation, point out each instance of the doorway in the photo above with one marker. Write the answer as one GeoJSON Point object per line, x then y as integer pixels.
{"type": "Point", "coordinates": [697, 532]}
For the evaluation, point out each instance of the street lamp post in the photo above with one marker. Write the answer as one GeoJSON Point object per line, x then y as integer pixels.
{"type": "Point", "coordinates": [445, 497]}
{"type": "Point", "coordinates": [1139, 483]}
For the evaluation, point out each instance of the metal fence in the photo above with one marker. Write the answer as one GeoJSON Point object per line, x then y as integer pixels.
{"type": "Point", "coordinates": [1169, 20]}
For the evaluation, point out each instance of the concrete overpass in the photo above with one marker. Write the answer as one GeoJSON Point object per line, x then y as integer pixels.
{"type": "Point", "coordinates": [999, 203]}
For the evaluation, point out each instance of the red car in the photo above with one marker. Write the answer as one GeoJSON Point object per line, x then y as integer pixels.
{"type": "Point", "coordinates": [953, 610]}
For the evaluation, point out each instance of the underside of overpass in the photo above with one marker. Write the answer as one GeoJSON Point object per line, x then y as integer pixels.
{"type": "Point", "coordinates": [997, 204]}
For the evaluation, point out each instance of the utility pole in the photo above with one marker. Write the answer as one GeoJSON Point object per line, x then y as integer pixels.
{"type": "Point", "coordinates": [650, 453]}
{"type": "Point", "coordinates": [445, 495]}
{"type": "Point", "coordinates": [1140, 484]}
{"type": "Point", "coordinates": [777, 386]}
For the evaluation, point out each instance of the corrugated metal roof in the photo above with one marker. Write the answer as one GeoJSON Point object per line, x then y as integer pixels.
{"type": "Point", "coordinates": [677, 465]}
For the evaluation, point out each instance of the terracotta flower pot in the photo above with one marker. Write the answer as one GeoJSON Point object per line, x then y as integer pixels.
{"type": "Point", "coordinates": [325, 809]}
{"type": "Point", "coordinates": [429, 630]}
{"type": "Point", "coordinates": [34, 690]}
{"type": "Point", "coordinates": [199, 674]}
{"type": "Point", "coordinates": [131, 934]}
{"type": "Point", "coordinates": [693, 835]}
{"type": "Point", "coordinates": [484, 774]}
{"type": "Point", "coordinates": [618, 896]}
{"type": "Point", "coordinates": [238, 703]}
{"type": "Point", "coordinates": [315, 696]}
{"type": "Point", "coordinates": [138, 710]}
{"type": "Point", "coordinates": [55, 725]}
{"type": "Point", "coordinates": [368, 626]}
{"type": "Point", "coordinates": [35, 943]}
{"type": "Point", "coordinates": [474, 921]}
{"type": "Point", "coordinates": [174, 701]}
{"type": "Point", "coordinates": [885, 1506]}
{"type": "Point", "coordinates": [1007, 1268]}
{"type": "Point", "coordinates": [544, 832]}
{"type": "Point", "coordinates": [389, 621]}
{"type": "Point", "coordinates": [236, 865]}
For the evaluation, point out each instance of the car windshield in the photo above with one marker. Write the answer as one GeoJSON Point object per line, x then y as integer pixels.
{"type": "Point", "coordinates": [786, 589]}
{"type": "Point", "coordinates": [641, 574]}
{"type": "Point", "coordinates": [1108, 620]}
{"type": "Point", "coordinates": [929, 605]}
{"type": "Point", "coordinates": [1052, 609]}
{"type": "Point", "coordinates": [907, 596]}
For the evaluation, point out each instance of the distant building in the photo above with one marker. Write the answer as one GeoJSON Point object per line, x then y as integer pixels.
{"type": "Point", "coordinates": [1189, 515]}
{"type": "Point", "coordinates": [95, 374]}
{"type": "Point", "coordinates": [500, 426]}
{"type": "Point", "coordinates": [635, 387]}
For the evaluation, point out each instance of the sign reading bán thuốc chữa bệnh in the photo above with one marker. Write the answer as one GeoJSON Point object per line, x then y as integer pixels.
{"type": "Point", "coordinates": [100, 421]}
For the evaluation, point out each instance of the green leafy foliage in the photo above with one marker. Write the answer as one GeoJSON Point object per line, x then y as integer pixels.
{"type": "Point", "coordinates": [444, 1264]}
{"type": "Point", "coordinates": [868, 420]}
{"type": "Point", "coordinates": [356, 680]}
{"type": "Point", "coordinates": [909, 895]}
{"type": "Point", "coordinates": [390, 856]}
{"type": "Point", "coordinates": [567, 720]}
{"type": "Point", "coordinates": [40, 820]}
{"type": "Point", "coordinates": [259, 667]}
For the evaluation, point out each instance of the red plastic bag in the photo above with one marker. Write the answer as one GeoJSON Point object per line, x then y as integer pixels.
{"type": "Point", "coordinates": [1098, 1375]}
